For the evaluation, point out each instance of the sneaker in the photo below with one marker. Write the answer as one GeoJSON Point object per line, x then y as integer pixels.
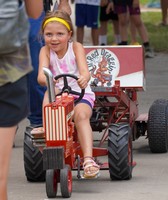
{"type": "Point", "coordinates": [149, 53]}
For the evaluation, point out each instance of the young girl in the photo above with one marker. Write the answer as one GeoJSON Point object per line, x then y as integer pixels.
{"type": "Point", "coordinates": [61, 55]}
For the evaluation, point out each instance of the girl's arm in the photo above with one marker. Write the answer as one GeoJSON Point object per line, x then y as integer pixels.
{"type": "Point", "coordinates": [34, 8]}
{"type": "Point", "coordinates": [82, 64]}
{"type": "Point", "coordinates": [43, 62]}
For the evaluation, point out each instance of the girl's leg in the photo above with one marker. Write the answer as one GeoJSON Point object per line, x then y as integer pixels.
{"type": "Point", "coordinates": [7, 135]}
{"type": "Point", "coordinates": [40, 130]}
{"type": "Point", "coordinates": [82, 114]}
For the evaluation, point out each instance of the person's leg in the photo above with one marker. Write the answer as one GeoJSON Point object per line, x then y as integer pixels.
{"type": "Point", "coordinates": [164, 7]}
{"type": "Point", "coordinates": [133, 33]}
{"type": "Point", "coordinates": [116, 29]}
{"type": "Point", "coordinates": [14, 108]}
{"type": "Point", "coordinates": [123, 26]}
{"type": "Point", "coordinates": [139, 25]}
{"type": "Point", "coordinates": [103, 33]}
{"type": "Point", "coordinates": [80, 21]}
{"type": "Point", "coordinates": [95, 36]}
{"type": "Point", "coordinates": [103, 26]}
{"type": "Point", "coordinates": [80, 34]}
{"type": "Point", "coordinates": [6, 142]}
{"type": "Point", "coordinates": [135, 16]}
{"type": "Point", "coordinates": [82, 114]}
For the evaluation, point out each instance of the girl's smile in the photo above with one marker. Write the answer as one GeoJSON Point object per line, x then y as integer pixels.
{"type": "Point", "coordinates": [56, 36]}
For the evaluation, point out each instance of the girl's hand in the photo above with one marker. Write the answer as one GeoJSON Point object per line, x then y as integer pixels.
{"type": "Point", "coordinates": [55, 81]}
{"type": "Point", "coordinates": [82, 82]}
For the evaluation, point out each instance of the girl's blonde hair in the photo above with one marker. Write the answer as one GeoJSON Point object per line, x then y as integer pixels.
{"type": "Point", "coordinates": [59, 14]}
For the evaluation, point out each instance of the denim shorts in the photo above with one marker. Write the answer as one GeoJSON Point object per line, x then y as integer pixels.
{"type": "Point", "coordinates": [87, 15]}
{"type": "Point", "coordinates": [13, 102]}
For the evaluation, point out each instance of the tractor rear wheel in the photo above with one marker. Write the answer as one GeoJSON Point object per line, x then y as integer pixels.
{"type": "Point", "coordinates": [66, 181]}
{"type": "Point", "coordinates": [158, 126]}
{"type": "Point", "coordinates": [120, 155]}
{"type": "Point", "coordinates": [33, 159]}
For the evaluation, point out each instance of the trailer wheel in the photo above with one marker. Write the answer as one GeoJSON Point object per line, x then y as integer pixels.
{"type": "Point", "coordinates": [120, 155]}
{"type": "Point", "coordinates": [157, 127]}
{"type": "Point", "coordinates": [160, 101]}
{"type": "Point", "coordinates": [66, 181]}
{"type": "Point", "coordinates": [52, 179]}
{"type": "Point", "coordinates": [33, 159]}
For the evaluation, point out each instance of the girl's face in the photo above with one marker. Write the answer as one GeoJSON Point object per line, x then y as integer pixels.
{"type": "Point", "coordinates": [56, 37]}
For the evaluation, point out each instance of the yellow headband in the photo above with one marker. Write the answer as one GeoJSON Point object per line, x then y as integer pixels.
{"type": "Point", "coordinates": [52, 19]}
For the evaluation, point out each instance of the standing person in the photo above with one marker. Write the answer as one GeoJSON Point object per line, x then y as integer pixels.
{"type": "Point", "coordinates": [107, 15]}
{"type": "Point", "coordinates": [36, 91]}
{"type": "Point", "coordinates": [61, 55]}
{"type": "Point", "coordinates": [164, 9]}
{"type": "Point", "coordinates": [121, 7]}
{"type": "Point", "coordinates": [87, 14]}
{"type": "Point", "coordinates": [14, 68]}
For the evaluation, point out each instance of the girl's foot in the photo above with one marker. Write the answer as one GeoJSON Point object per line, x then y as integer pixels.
{"type": "Point", "coordinates": [91, 169]}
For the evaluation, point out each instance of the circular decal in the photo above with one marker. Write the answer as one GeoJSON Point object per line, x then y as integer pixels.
{"type": "Point", "coordinates": [103, 66]}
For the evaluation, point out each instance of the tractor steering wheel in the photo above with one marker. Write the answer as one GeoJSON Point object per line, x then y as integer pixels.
{"type": "Point", "coordinates": [68, 89]}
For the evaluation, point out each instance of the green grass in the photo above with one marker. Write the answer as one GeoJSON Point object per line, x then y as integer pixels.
{"type": "Point", "coordinates": [158, 36]}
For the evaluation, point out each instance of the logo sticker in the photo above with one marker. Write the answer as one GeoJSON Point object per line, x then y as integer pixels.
{"type": "Point", "coordinates": [103, 66]}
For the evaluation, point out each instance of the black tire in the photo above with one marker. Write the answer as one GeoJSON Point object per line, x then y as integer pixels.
{"type": "Point", "coordinates": [52, 180]}
{"type": "Point", "coordinates": [120, 155]}
{"type": "Point", "coordinates": [33, 159]}
{"type": "Point", "coordinates": [160, 101]}
{"type": "Point", "coordinates": [66, 181]}
{"type": "Point", "coordinates": [157, 127]}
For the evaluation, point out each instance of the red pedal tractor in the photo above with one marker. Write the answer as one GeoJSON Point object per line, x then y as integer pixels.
{"type": "Point", "coordinates": [53, 155]}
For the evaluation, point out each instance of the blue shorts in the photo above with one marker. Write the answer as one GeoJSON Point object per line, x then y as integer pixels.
{"type": "Point", "coordinates": [85, 101]}
{"type": "Point", "coordinates": [87, 15]}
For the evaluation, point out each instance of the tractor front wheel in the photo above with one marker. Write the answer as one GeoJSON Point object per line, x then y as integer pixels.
{"type": "Point", "coordinates": [52, 179]}
{"type": "Point", "coordinates": [66, 181]}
